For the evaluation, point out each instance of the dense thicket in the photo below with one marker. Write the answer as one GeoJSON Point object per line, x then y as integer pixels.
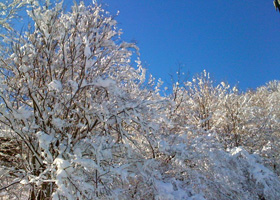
{"type": "Point", "coordinates": [249, 119]}
{"type": "Point", "coordinates": [79, 120]}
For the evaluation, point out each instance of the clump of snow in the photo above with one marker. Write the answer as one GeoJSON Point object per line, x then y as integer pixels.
{"type": "Point", "coordinates": [23, 113]}
{"type": "Point", "coordinates": [63, 166]}
{"type": "Point", "coordinates": [58, 123]}
{"type": "Point", "coordinates": [55, 85]}
{"type": "Point", "coordinates": [44, 139]}
{"type": "Point", "coordinates": [168, 191]}
{"type": "Point", "coordinates": [87, 51]}
{"type": "Point", "coordinates": [104, 82]}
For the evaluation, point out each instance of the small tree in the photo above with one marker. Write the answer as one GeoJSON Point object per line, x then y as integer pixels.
{"type": "Point", "coordinates": [202, 100]}
{"type": "Point", "coordinates": [231, 117]}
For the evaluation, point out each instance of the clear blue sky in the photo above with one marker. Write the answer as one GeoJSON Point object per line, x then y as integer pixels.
{"type": "Point", "coordinates": [236, 41]}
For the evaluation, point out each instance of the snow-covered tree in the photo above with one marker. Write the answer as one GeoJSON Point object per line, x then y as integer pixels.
{"type": "Point", "coordinates": [263, 128]}
{"type": "Point", "coordinates": [71, 99]}
{"type": "Point", "coordinates": [197, 101]}
{"type": "Point", "coordinates": [232, 116]}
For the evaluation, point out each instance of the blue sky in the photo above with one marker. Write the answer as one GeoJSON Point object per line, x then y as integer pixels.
{"type": "Point", "coordinates": [236, 41]}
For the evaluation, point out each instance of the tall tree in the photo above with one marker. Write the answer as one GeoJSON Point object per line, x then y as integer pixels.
{"type": "Point", "coordinates": [72, 101]}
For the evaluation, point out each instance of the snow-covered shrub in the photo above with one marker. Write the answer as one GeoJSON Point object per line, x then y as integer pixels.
{"type": "Point", "coordinates": [233, 174]}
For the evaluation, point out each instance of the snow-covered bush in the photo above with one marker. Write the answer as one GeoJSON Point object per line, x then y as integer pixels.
{"type": "Point", "coordinates": [231, 174]}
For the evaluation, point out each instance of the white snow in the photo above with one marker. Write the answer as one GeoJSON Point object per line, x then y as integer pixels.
{"type": "Point", "coordinates": [55, 85]}
{"type": "Point", "coordinates": [104, 82]}
{"type": "Point", "coordinates": [44, 139]}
